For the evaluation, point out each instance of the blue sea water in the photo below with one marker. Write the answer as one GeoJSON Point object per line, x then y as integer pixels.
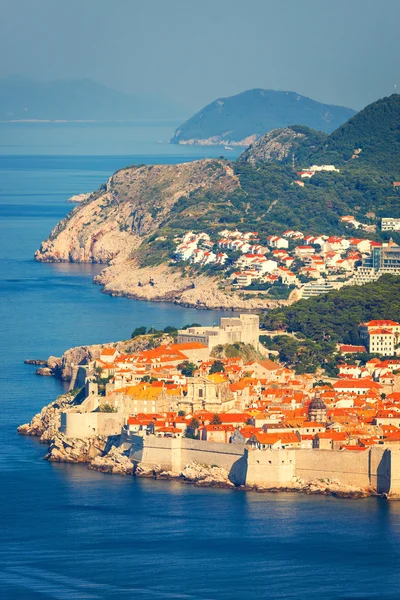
{"type": "Point", "coordinates": [69, 533]}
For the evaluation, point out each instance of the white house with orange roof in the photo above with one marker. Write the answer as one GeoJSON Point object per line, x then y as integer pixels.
{"type": "Point", "coordinates": [382, 336]}
{"type": "Point", "coordinates": [109, 355]}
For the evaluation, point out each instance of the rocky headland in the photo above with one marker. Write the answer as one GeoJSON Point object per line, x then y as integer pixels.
{"type": "Point", "coordinates": [61, 366]}
{"type": "Point", "coordinates": [113, 226]}
{"type": "Point", "coordinates": [78, 198]}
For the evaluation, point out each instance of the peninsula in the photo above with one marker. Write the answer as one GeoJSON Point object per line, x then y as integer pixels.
{"type": "Point", "coordinates": [208, 405]}
{"type": "Point", "coordinates": [299, 214]}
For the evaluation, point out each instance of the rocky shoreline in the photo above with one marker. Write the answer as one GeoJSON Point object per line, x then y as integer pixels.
{"type": "Point", "coordinates": [111, 455]}
{"type": "Point", "coordinates": [61, 367]}
{"type": "Point", "coordinates": [162, 283]}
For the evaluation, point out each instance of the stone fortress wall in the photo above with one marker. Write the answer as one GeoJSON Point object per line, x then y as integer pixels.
{"type": "Point", "coordinates": [377, 468]}
{"type": "Point", "coordinates": [243, 328]}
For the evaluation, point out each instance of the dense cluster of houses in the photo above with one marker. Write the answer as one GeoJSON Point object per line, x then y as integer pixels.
{"type": "Point", "coordinates": [179, 389]}
{"type": "Point", "coordinates": [312, 264]}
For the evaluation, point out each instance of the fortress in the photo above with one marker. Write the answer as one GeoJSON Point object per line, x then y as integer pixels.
{"type": "Point", "coordinates": [243, 328]}
{"type": "Point", "coordinates": [376, 469]}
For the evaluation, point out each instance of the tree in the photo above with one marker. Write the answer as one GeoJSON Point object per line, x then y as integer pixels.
{"type": "Point", "coordinates": [191, 325]}
{"type": "Point", "coordinates": [170, 329]}
{"type": "Point", "coordinates": [187, 368]}
{"type": "Point", "coordinates": [216, 420]}
{"type": "Point", "coordinates": [181, 413]}
{"type": "Point", "coordinates": [194, 424]}
{"type": "Point", "coordinates": [138, 331]}
{"type": "Point", "coordinates": [148, 379]}
{"type": "Point", "coordinates": [106, 408]}
{"type": "Point", "coordinates": [217, 367]}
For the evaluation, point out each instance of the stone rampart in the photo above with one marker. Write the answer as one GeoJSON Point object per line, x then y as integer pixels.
{"type": "Point", "coordinates": [173, 454]}
{"type": "Point", "coordinates": [93, 424]}
{"type": "Point", "coordinates": [376, 469]}
{"type": "Point", "coordinates": [350, 468]}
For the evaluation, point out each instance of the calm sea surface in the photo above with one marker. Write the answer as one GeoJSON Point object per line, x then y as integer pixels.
{"type": "Point", "coordinates": [69, 533]}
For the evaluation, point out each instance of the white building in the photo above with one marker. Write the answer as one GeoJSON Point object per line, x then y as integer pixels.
{"type": "Point", "coordinates": [389, 224]}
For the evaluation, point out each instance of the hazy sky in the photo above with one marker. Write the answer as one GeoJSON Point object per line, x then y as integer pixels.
{"type": "Point", "coordinates": [337, 51]}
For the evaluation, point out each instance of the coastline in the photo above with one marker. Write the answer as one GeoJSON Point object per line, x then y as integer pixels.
{"type": "Point", "coordinates": [110, 455]}
{"type": "Point", "coordinates": [168, 285]}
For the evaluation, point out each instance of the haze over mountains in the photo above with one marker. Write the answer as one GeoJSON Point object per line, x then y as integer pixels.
{"type": "Point", "coordinates": [244, 118]}
{"type": "Point", "coordinates": [79, 100]}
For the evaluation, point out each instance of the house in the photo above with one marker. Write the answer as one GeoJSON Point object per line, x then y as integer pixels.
{"type": "Point", "coordinates": [319, 168]}
{"type": "Point", "coordinates": [382, 335]}
{"type": "Point", "coordinates": [216, 433]}
{"type": "Point", "coordinates": [330, 440]}
{"type": "Point", "coordinates": [390, 224]}
{"type": "Point", "coordinates": [302, 251]}
{"type": "Point", "coordinates": [263, 369]}
{"type": "Point", "coordinates": [264, 441]}
{"type": "Point", "coordinates": [350, 349]}
{"type": "Point", "coordinates": [356, 386]}
{"type": "Point", "coordinates": [109, 355]}
{"type": "Point", "coordinates": [381, 341]}
{"type": "Point", "coordinates": [277, 242]}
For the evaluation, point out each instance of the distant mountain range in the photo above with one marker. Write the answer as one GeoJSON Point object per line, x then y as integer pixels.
{"type": "Point", "coordinates": [75, 100]}
{"type": "Point", "coordinates": [244, 118]}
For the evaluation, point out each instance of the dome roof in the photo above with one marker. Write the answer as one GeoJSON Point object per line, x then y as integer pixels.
{"type": "Point", "coordinates": [317, 404]}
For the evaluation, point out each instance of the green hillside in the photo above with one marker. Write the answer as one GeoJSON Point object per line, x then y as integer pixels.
{"type": "Point", "coordinates": [268, 200]}
{"type": "Point", "coordinates": [336, 316]}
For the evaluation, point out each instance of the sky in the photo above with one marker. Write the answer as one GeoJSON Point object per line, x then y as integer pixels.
{"type": "Point", "coordinates": [193, 51]}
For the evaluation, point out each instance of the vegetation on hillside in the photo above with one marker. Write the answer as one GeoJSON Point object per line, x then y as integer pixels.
{"type": "Point", "coordinates": [247, 352]}
{"type": "Point", "coordinates": [335, 317]}
{"type": "Point", "coordinates": [269, 202]}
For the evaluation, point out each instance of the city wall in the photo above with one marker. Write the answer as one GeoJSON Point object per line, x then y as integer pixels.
{"type": "Point", "coordinates": [376, 469]}
{"type": "Point", "coordinates": [93, 424]}
{"type": "Point", "coordinates": [172, 454]}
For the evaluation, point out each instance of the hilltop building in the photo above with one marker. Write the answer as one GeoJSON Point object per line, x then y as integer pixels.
{"type": "Point", "coordinates": [243, 328]}
{"type": "Point", "coordinates": [389, 224]}
{"type": "Point", "coordinates": [382, 336]}
{"type": "Point", "coordinates": [384, 258]}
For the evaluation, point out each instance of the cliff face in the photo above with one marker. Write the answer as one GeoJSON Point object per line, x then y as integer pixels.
{"type": "Point", "coordinates": [282, 145]}
{"type": "Point", "coordinates": [111, 222]}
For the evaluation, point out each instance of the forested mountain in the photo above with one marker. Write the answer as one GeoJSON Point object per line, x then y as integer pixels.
{"type": "Point", "coordinates": [243, 118]}
{"type": "Point", "coordinates": [371, 137]}
{"type": "Point", "coordinates": [151, 205]}
{"type": "Point", "coordinates": [336, 316]}
{"type": "Point", "coordinates": [366, 150]}
{"type": "Point", "coordinates": [83, 99]}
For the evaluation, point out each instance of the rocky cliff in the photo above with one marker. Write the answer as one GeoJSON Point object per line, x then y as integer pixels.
{"type": "Point", "coordinates": [285, 145]}
{"type": "Point", "coordinates": [113, 226]}
{"type": "Point", "coordinates": [61, 367]}
{"type": "Point", "coordinates": [112, 222]}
